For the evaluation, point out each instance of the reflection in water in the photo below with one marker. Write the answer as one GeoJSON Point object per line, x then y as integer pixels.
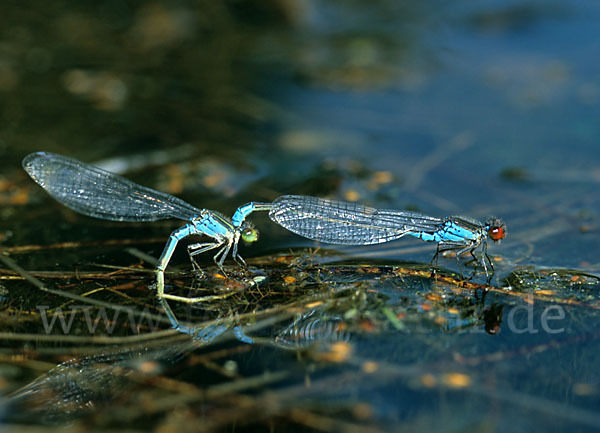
{"type": "Point", "coordinates": [330, 305]}
{"type": "Point", "coordinates": [312, 328]}
{"type": "Point", "coordinates": [80, 385]}
{"type": "Point", "coordinates": [328, 314]}
{"type": "Point", "coordinates": [492, 318]}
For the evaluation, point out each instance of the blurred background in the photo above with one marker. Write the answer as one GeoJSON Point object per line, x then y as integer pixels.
{"type": "Point", "coordinates": [475, 108]}
{"type": "Point", "coordinates": [479, 108]}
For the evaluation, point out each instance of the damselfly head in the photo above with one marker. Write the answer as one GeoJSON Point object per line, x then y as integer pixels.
{"type": "Point", "coordinates": [249, 234]}
{"type": "Point", "coordinates": [496, 229]}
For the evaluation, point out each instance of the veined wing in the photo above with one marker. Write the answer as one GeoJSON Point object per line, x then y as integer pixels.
{"type": "Point", "coordinates": [98, 193]}
{"type": "Point", "coordinates": [345, 223]}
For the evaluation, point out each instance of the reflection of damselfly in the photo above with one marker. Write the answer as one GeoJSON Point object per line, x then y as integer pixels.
{"type": "Point", "coordinates": [98, 193]}
{"type": "Point", "coordinates": [343, 223]}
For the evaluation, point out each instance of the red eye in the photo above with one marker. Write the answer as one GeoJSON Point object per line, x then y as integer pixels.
{"type": "Point", "coordinates": [496, 229]}
{"type": "Point", "coordinates": [496, 233]}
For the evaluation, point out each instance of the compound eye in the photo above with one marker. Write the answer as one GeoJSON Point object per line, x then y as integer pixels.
{"type": "Point", "coordinates": [497, 233]}
{"type": "Point", "coordinates": [250, 235]}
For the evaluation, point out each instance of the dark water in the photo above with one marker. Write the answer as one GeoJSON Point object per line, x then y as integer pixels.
{"type": "Point", "coordinates": [487, 108]}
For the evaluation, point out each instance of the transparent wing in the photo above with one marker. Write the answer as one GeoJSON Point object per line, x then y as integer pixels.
{"type": "Point", "coordinates": [98, 193]}
{"type": "Point", "coordinates": [343, 223]}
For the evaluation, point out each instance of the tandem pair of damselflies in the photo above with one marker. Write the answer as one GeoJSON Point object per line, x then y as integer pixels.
{"type": "Point", "coordinates": [98, 193]}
